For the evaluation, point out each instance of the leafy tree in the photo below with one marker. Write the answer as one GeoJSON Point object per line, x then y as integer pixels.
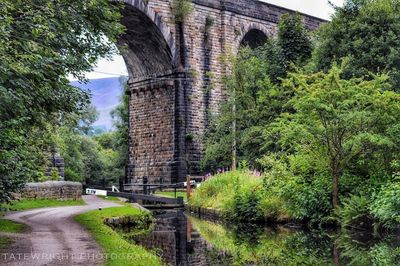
{"type": "Point", "coordinates": [41, 43]}
{"type": "Point", "coordinates": [365, 31]}
{"type": "Point", "coordinates": [121, 122]}
{"type": "Point", "coordinates": [339, 122]}
{"type": "Point", "coordinates": [249, 88]}
{"type": "Point", "coordinates": [293, 46]}
{"type": "Point", "coordinates": [255, 94]}
{"type": "Point", "coordinates": [87, 118]}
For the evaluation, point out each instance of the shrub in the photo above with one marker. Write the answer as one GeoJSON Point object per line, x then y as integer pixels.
{"type": "Point", "coordinates": [54, 174]}
{"type": "Point", "coordinates": [181, 9]}
{"type": "Point", "coordinates": [273, 208]}
{"type": "Point", "coordinates": [70, 175]}
{"type": "Point", "coordinates": [246, 203]}
{"type": "Point", "coordinates": [307, 198]}
{"type": "Point", "coordinates": [354, 213]}
{"type": "Point", "coordinates": [386, 205]}
{"type": "Point", "coordinates": [236, 194]}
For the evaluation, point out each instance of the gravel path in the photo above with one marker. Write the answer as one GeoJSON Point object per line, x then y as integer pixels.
{"type": "Point", "coordinates": [54, 238]}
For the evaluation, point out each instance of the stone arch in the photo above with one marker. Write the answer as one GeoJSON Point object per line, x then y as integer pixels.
{"type": "Point", "coordinates": [148, 45]}
{"type": "Point", "coordinates": [254, 35]}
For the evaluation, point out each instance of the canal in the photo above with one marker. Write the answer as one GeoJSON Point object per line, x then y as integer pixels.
{"type": "Point", "coordinates": [181, 239]}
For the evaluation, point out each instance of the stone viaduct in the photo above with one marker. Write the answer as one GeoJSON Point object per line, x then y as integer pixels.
{"type": "Point", "coordinates": [175, 76]}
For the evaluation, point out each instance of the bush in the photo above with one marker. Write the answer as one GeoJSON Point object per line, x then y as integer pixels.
{"type": "Point", "coordinates": [70, 175]}
{"type": "Point", "coordinates": [236, 194]}
{"type": "Point", "coordinates": [386, 205]}
{"type": "Point", "coordinates": [246, 203]}
{"type": "Point", "coordinates": [354, 213]}
{"type": "Point", "coordinates": [273, 208]}
{"type": "Point", "coordinates": [307, 198]}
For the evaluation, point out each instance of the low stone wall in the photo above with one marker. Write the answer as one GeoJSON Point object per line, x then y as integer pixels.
{"type": "Point", "coordinates": [63, 190]}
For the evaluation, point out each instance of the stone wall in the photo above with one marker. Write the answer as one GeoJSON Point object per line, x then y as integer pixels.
{"type": "Point", "coordinates": [62, 190]}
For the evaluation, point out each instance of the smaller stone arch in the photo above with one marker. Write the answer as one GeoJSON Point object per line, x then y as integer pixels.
{"type": "Point", "coordinates": [253, 35]}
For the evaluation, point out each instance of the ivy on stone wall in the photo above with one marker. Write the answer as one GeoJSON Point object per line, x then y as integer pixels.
{"type": "Point", "coordinates": [181, 10]}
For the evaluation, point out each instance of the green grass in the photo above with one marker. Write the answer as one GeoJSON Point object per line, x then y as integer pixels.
{"type": "Point", "coordinates": [171, 194]}
{"type": "Point", "coordinates": [11, 227]}
{"type": "Point", "coordinates": [4, 242]}
{"type": "Point", "coordinates": [25, 204]}
{"type": "Point", "coordinates": [118, 250]}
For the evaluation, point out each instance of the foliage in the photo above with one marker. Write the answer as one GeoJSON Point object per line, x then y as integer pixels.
{"type": "Point", "coordinates": [236, 194]}
{"type": "Point", "coordinates": [181, 10]}
{"type": "Point", "coordinates": [121, 135]}
{"type": "Point", "coordinates": [295, 192]}
{"type": "Point", "coordinates": [355, 213]}
{"type": "Point", "coordinates": [293, 45]}
{"type": "Point", "coordinates": [255, 94]}
{"type": "Point", "coordinates": [340, 121]}
{"type": "Point", "coordinates": [41, 43]}
{"type": "Point", "coordinates": [386, 205]}
{"type": "Point", "coordinates": [365, 31]}
{"type": "Point", "coordinates": [99, 159]}
{"type": "Point", "coordinates": [114, 243]}
{"type": "Point", "coordinates": [356, 252]}
{"type": "Point", "coordinates": [26, 204]}
{"type": "Point", "coordinates": [250, 90]}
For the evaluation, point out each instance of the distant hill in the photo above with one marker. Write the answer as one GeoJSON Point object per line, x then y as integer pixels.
{"type": "Point", "coordinates": [106, 94]}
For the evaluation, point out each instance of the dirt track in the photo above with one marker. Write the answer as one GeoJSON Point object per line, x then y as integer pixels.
{"type": "Point", "coordinates": [54, 238]}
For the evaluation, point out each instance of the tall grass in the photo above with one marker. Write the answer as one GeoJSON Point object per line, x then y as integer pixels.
{"type": "Point", "coordinates": [235, 194]}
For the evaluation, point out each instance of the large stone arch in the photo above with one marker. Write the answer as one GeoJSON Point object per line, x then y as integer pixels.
{"type": "Point", "coordinates": [148, 45]}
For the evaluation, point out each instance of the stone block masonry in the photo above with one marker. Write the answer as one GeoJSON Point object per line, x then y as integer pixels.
{"type": "Point", "coordinates": [176, 72]}
{"type": "Point", "coordinates": [60, 190]}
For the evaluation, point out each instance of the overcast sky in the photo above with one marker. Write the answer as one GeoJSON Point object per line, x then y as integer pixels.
{"type": "Point", "coordinates": [318, 8]}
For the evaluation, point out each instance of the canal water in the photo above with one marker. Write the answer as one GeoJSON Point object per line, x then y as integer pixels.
{"type": "Point", "coordinates": [180, 239]}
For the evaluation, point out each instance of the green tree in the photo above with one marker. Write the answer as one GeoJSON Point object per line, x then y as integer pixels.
{"type": "Point", "coordinates": [121, 122]}
{"type": "Point", "coordinates": [256, 95]}
{"type": "Point", "coordinates": [41, 43]}
{"type": "Point", "coordinates": [293, 46]}
{"type": "Point", "coordinates": [365, 31]}
{"type": "Point", "coordinates": [249, 89]}
{"type": "Point", "coordinates": [339, 122]}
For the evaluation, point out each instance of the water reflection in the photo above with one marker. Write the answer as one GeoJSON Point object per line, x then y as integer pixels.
{"type": "Point", "coordinates": [182, 240]}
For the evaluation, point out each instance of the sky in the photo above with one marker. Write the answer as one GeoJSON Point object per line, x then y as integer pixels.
{"type": "Point", "coordinates": [318, 8]}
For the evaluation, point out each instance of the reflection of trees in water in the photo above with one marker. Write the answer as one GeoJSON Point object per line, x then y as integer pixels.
{"type": "Point", "coordinates": [192, 241]}
{"type": "Point", "coordinates": [255, 245]}
{"type": "Point", "coordinates": [365, 249]}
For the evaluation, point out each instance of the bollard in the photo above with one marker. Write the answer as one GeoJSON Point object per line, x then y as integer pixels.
{"type": "Point", "coordinates": [188, 187]}
{"type": "Point", "coordinates": [145, 181]}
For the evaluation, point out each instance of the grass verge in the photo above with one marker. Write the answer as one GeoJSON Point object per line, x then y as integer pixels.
{"type": "Point", "coordinates": [25, 204]}
{"type": "Point", "coordinates": [11, 227]}
{"type": "Point", "coordinates": [118, 251]}
{"type": "Point", "coordinates": [4, 242]}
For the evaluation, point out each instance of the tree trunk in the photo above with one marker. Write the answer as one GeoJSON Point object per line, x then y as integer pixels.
{"type": "Point", "coordinates": [335, 187]}
{"type": "Point", "coordinates": [234, 144]}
